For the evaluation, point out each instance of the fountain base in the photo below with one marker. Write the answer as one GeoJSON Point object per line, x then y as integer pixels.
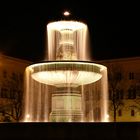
{"type": "Point", "coordinates": [66, 108]}
{"type": "Point", "coordinates": [66, 91]}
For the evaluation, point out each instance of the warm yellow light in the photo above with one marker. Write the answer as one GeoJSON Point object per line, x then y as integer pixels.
{"type": "Point", "coordinates": [106, 118]}
{"type": "Point", "coordinates": [31, 67]}
{"type": "Point", "coordinates": [66, 77]}
{"type": "Point", "coordinates": [63, 73]}
{"type": "Point", "coordinates": [27, 116]}
{"type": "Point", "coordinates": [66, 13]}
{"type": "Point", "coordinates": [70, 25]}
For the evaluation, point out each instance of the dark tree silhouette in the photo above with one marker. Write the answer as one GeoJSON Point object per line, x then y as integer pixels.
{"type": "Point", "coordinates": [12, 89]}
{"type": "Point", "coordinates": [115, 92]}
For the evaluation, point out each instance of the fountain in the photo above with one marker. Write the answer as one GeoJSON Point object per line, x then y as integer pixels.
{"type": "Point", "coordinates": [68, 87]}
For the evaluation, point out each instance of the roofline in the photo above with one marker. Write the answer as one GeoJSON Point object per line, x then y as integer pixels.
{"type": "Point", "coordinates": [14, 59]}
{"type": "Point", "coordinates": [119, 59]}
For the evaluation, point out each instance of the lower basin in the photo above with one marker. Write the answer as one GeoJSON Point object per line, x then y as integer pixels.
{"type": "Point", "coordinates": [66, 73]}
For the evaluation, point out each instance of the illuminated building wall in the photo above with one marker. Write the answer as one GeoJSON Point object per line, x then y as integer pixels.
{"type": "Point", "coordinates": [127, 89]}
{"type": "Point", "coordinates": [11, 87]}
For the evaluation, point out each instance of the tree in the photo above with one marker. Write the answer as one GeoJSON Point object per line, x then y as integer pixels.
{"type": "Point", "coordinates": [17, 86]}
{"type": "Point", "coordinates": [115, 92]}
{"type": "Point", "coordinates": [12, 89]}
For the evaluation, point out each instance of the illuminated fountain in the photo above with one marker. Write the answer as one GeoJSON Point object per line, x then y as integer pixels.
{"type": "Point", "coordinates": [68, 87]}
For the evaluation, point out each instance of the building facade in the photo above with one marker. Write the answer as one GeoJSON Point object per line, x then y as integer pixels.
{"type": "Point", "coordinates": [11, 87]}
{"type": "Point", "coordinates": [124, 88]}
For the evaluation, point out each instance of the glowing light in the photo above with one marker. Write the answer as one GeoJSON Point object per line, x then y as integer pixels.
{"type": "Point", "coordinates": [67, 37]}
{"type": "Point", "coordinates": [27, 116]}
{"type": "Point", "coordinates": [66, 13]}
{"type": "Point", "coordinates": [67, 88]}
{"type": "Point", "coordinates": [66, 77]}
{"type": "Point", "coordinates": [106, 118]}
{"type": "Point", "coordinates": [75, 73]}
{"type": "Point", "coordinates": [31, 67]}
{"type": "Point", "coordinates": [71, 25]}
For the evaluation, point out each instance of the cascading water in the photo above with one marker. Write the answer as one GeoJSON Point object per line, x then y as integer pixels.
{"type": "Point", "coordinates": [67, 87]}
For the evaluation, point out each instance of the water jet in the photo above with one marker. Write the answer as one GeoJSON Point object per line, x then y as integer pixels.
{"type": "Point", "coordinates": [68, 86]}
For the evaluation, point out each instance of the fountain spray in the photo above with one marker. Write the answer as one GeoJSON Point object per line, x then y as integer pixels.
{"type": "Point", "coordinates": [68, 87]}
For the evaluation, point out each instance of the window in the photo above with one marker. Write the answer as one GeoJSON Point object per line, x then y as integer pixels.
{"type": "Point", "coordinates": [119, 94]}
{"type": "Point", "coordinates": [131, 76]}
{"type": "Point", "coordinates": [119, 76]}
{"type": "Point", "coordinates": [119, 112]}
{"type": "Point", "coordinates": [132, 112]}
{"type": "Point", "coordinates": [12, 94]}
{"type": "Point", "coordinates": [131, 93]}
{"type": "Point", "coordinates": [4, 93]}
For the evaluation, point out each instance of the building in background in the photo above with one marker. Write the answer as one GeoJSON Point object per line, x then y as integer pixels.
{"type": "Point", "coordinates": [124, 88]}
{"type": "Point", "coordinates": [11, 87]}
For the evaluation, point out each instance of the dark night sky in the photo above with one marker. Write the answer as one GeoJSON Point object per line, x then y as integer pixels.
{"type": "Point", "coordinates": [112, 27]}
